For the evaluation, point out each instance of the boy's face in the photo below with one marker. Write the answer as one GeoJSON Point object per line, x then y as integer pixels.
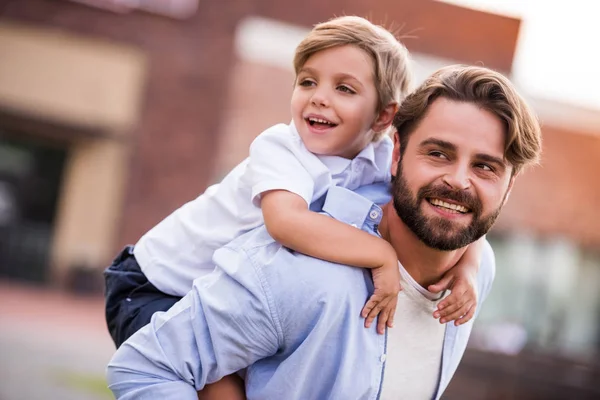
{"type": "Point", "coordinates": [334, 101]}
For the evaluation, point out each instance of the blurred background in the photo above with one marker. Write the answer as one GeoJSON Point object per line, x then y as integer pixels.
{"type": "Point", "coordinates": [113, 113]}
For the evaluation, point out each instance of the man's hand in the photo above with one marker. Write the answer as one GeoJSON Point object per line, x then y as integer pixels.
{"type": "Point", "coordinates": [461, 304]}
{"type": "Point", "coordinates": [383, 302]}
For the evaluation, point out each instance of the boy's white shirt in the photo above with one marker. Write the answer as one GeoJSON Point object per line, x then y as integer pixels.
{"type": "Point", "coordinates": [180, 248]}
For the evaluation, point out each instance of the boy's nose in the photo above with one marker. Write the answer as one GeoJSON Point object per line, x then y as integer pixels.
{"type": "Point", "coordinates": [319, 99]}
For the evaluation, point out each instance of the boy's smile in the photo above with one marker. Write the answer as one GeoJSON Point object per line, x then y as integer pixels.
{"type": "Point", "coordinates": [334, 101]}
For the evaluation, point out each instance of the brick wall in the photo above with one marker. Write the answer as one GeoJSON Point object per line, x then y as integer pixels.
{"type": "Point", "coordinates": [561, 196]}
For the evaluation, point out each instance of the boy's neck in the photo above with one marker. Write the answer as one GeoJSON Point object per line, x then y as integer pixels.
{"type": "Point", "coordinates": [424, 264]}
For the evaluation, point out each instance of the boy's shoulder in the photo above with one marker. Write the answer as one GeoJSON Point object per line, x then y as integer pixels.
{"type": "Point", "coordinates": [280, 132]}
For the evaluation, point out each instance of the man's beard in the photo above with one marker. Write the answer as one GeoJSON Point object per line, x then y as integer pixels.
{"type": "Point", "coordinates": [438, 232]}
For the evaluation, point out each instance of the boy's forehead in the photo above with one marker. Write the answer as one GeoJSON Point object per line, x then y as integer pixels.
{"type": "Point", "coordinates": [342, 60]}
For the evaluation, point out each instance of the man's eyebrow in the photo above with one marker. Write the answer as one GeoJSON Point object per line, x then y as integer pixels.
{"type": "Point", "coordinates": [451, 147]}
{"type": "Point", "coordinates": [491, 159]}
{"type": "Point", "coordinates": [438, 142]}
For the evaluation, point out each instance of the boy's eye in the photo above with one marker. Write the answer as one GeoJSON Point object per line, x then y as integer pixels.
{"type": "Point", "coordinates": [345, 89]}
{"type": "Point", "coordinates": [306, 82]}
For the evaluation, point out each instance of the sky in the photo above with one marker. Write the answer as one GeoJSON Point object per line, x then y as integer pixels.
{"type": "Point", "coordinates": [557, 56]}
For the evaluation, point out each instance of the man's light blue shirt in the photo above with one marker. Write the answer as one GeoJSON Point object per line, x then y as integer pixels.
{"type": "Point", "coordinates": [292, 321]}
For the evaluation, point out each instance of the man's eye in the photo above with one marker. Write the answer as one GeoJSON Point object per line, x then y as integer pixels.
{"type": "Point", "coordinates": [485, 167]}
{"type": "Point", "coordinates": [438, 154]}
{"type": "Point", "coordinates": [346, 89]}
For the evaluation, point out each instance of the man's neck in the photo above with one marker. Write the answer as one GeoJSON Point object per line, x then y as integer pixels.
{"type": "Point", "coordinates": [424, 264]}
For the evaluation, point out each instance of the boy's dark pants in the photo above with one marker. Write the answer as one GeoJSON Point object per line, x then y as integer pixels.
{"type": "Point", "coordinates": [130, 298]}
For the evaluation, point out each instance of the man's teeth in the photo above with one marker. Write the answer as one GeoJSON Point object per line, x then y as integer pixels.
{"type": "Point", "coordinates": [454, 207]}
{"type": "Point", "coordinates": [320, 121]}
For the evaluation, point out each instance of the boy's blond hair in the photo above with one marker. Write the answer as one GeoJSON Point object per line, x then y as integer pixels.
{"type": "Point", "coordinates": [487, 89]}
{"type": "Point", "coordinates": [390, 57]}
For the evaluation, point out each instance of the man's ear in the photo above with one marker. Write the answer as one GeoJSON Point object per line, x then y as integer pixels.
{"type": "Point", "coordinates": [396, 153]}
{"type": "Point", "coordinates": [385, 117]}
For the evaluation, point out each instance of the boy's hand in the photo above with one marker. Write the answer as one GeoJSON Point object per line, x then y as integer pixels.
{"type": "Point", "coordinates": [384, 300]}
{"type": "Point", "coordinates": [460, 305]}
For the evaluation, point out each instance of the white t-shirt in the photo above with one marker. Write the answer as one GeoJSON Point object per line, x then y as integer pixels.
{"type": "Point", "coordinates": [414, 344]}
{"type": "Point", "coordinates": [180, 248]}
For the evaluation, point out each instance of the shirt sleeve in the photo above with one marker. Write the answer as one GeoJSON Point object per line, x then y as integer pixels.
{"type": "Point", "coordinates": [278, 161]}
{"type": "Point", "coordinates": [487, 273]}
{"type": "Point", "coordinates": [209, 334]}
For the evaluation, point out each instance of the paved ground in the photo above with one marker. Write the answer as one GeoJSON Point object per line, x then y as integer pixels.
{"type": "Point", "coordinates": [52, 345]}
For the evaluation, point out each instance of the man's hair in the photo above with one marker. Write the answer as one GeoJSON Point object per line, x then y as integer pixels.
{"type": "Point", "coordinates": [487, 89]}
{"type": "Point", "coordinates": [391, 59]}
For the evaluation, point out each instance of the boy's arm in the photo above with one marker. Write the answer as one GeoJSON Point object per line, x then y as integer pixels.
{"type": "Point", "coordinates": [461, 304]}
{"type": "Point", "coordinates": [223, 325]}
{"type": "Point", "coordinates": [290, 222]}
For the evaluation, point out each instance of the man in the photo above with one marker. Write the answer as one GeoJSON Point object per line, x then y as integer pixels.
{"type": "Point", "coordinates": [293, 322]}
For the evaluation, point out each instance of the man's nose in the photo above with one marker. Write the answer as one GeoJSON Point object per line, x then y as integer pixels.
{"type": "Point", "coordinates": [458, 177]}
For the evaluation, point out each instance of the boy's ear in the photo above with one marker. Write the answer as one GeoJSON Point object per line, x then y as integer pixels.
{"type": "Point", "coordinates": [385, 117]}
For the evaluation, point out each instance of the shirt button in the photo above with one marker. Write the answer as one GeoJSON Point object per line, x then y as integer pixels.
{"type": "Point", "coordinates": [383, 358]}
{"type": "Point", "coordinates": [374, 214]}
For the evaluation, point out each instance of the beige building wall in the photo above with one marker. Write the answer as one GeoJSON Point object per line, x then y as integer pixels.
{"type": "Point", "coordinates": [83, 85]}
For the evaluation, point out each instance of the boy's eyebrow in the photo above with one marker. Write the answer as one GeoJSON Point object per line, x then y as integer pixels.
{"type": "Point", "coordinates": [341, 75]}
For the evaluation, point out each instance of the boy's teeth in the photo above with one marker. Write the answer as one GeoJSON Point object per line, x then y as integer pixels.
{"type": "Point", "coordinates": [455, 207]}
{"type": "Point", "coordinates": [320, 121]}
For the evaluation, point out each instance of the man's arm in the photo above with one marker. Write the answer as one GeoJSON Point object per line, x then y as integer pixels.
{"type": "Point", "coordinates": [223, 325]}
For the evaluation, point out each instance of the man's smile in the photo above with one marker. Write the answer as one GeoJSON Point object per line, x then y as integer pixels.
{"type": "Point", "coordinates": [447, 206]}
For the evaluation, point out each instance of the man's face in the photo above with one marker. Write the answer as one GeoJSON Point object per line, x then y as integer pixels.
{"type": "Point", "coordinates": [452, 180]}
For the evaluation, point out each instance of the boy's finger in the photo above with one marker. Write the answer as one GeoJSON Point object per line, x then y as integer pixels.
{"type": "Point", "coordinates": [455, 296]}
{"type": "Point", "coordinates": [376, 311]}
{"type": "Point", "coordinates": [372, 314]}
{"type": "Point", "coordinates": [456, 314]}
{"type": "Point", "coordinates": [382, 320]}
{"type": "Point", "coordinates": [392, 315]}
{"type": "Point", "coordinates": [450, 307]}
{"type": "Point", "coordinates": [465, 318]}
{"type": "Point", "coordinates": [443, 284]}
{"type": "Point", "coordinates": [372, 302]}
